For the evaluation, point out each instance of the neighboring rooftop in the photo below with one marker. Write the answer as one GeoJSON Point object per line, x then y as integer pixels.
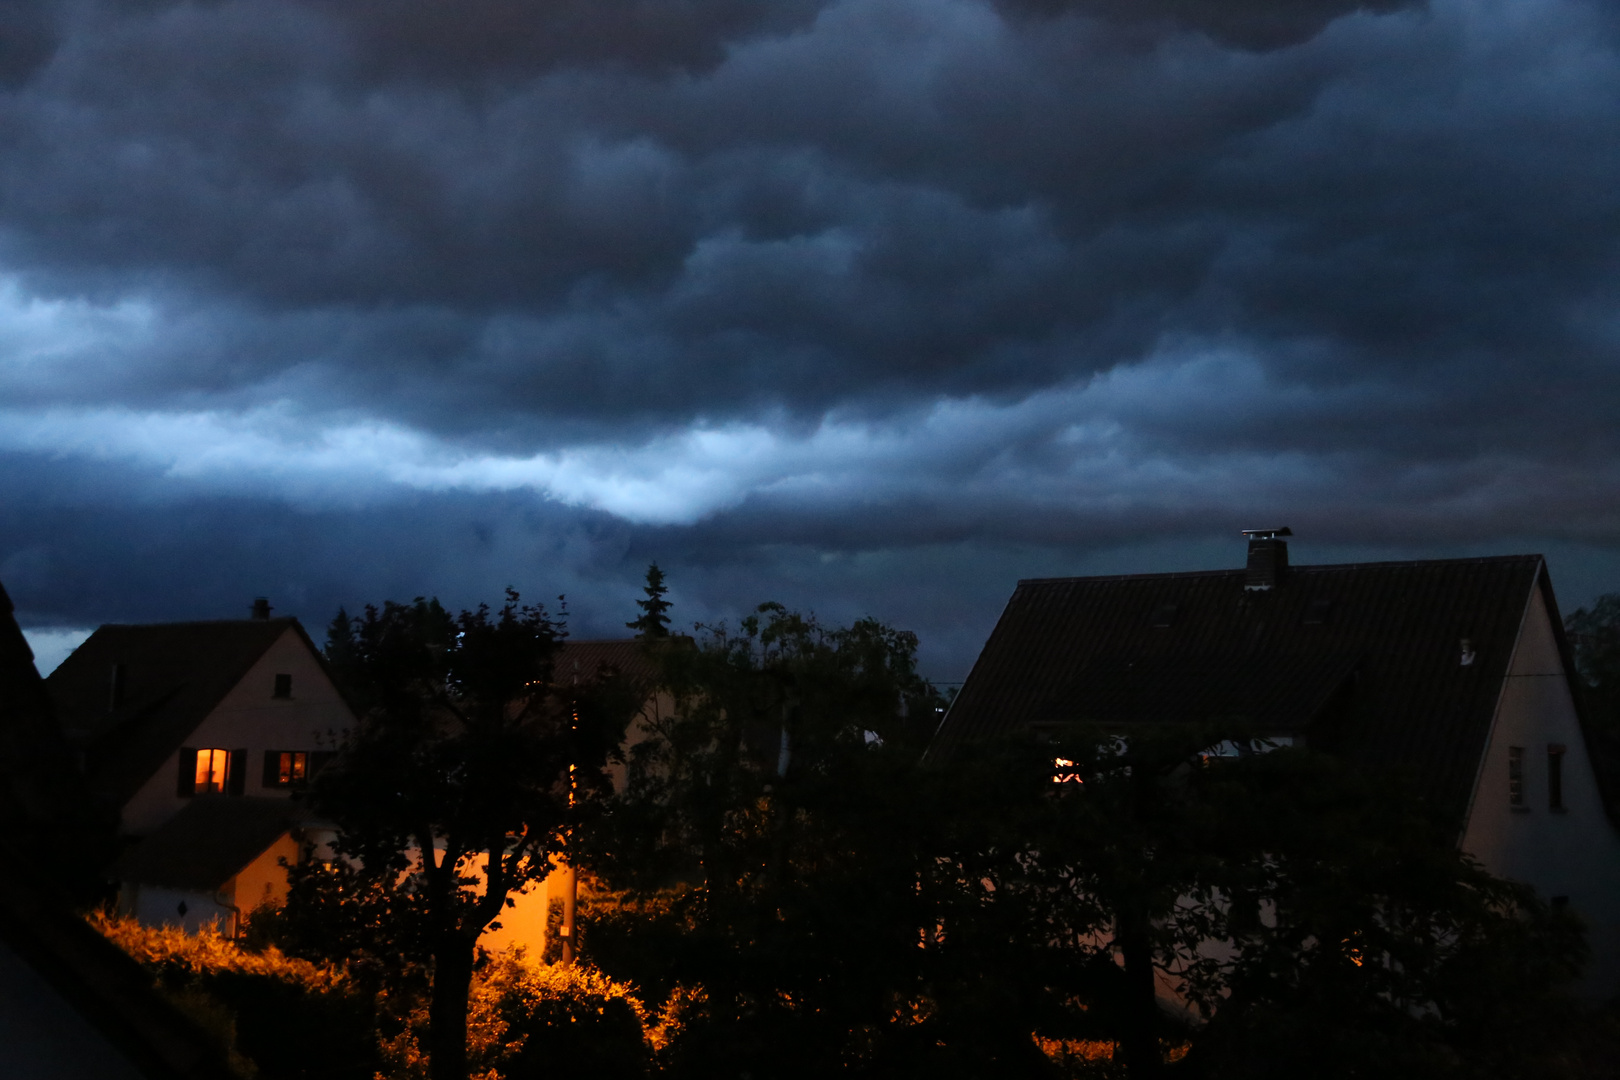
{"type": "Point", "coordinates": [209, 842]}
{"type": "Point", "coordinates": [1364, 658]}
{"type": "Point", "coordinates": [626, 656]}
{"type": "Point", "coordinates": [36, 765]}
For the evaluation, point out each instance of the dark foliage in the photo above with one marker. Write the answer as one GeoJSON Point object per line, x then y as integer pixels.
{"type": "Point", "coordinates": [461, 782]}
{"type": "Point", "coordinates": [653, 622]}
{"type": "Point", "coordinates": [782, 845]}
{"type": "Point", "coordinates": [768, 828]}
{"type": "Point", "coordinates": [1594, 636]}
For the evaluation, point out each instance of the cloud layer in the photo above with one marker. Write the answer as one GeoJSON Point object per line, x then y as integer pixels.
{"type": "Point", "coordinates": [791, 295]}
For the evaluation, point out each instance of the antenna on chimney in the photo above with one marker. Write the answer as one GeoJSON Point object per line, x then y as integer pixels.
{"type": "Point", "coordinates": [1268, 558]}
{"type": "Point", "coordinates": [261, 608]}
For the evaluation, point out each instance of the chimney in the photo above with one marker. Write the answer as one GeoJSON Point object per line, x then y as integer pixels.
{"type": "Point", "coordinates": [261, 608]}
{"type": "Point", "coordinates": [1268, 558]}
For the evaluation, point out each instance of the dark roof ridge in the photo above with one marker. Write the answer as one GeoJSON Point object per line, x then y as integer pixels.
{"type": "Point", "coordinates": [283, 619]}
{"type": "Point", "coordinates": [1292, 569]}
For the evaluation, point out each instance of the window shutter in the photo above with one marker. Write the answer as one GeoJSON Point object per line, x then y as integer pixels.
{"type": "Point", "coordinates": [272, 768]}
{"type": "Point", "coordinates": [236, 772]}
{"type": "Point", "coordinates": [187, 780]}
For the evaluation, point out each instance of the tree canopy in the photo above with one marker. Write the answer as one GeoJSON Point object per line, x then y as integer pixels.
{"type": "Point", "coordinates": [463, 777]}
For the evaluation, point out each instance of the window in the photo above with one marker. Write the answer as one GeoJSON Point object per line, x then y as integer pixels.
{"type": "Point", "coordinates": [290, 768]}
{"type": "Point", "coordinates": [285, 768]}
{"type": "Point", "coordinates": [1555, 776]}
{"type": "Point", "coordinates": [210, 771]}
{"type": "Point", "coordinates": [1065, 772]}
{"type": "Point", "coordinates": [213, 766]}
{"type": "Point", "coordinates": [1516, 775]}
{"type": "Point", "coordinates": [283, 685]}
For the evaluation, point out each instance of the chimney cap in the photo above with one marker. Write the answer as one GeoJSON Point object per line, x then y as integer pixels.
{"type": "Point", "coordinates": [261, 607]}
{"type": "Point", "coordinates": [1268, 534]}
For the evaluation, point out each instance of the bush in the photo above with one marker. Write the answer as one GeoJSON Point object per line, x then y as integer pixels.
{"type": "Point", "coordinates": [282, 1018]}
{"type": "Point", "coordinates": [525, 1020]}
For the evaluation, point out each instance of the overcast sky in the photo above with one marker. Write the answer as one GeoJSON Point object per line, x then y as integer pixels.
{"type": "Point", "coordinates": [867, 306]}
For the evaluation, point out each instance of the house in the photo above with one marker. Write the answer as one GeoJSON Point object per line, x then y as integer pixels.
{"type": "Point", "coordinates": [1456, 672]}
{"type": "Point", "coordinates": [215, 861]}
{"type": "Point", "coordinates": [527, 921]}
{"type": "Point", "coordinates": [199, 733]}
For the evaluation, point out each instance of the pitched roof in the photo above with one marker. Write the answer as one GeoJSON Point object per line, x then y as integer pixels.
{"type": "Point", "coordinates": [1369, 651]}
{"type": "Point", "coordinates": [627, 656]}
{"type": "Point", "coordinates": [209, 842]}
{"type": "Point", "coordinates": [173, 675]}
{"type": "Point", "coordinates": [22, 691]}
{"type": "Point", "coordinates": [36, 770]}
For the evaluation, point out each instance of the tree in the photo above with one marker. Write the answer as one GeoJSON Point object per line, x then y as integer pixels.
{"type": "Point", "coordinates": [1594, 634]}
{"type": "Point", "coordinates": [1312, 919]}
{"type": "Point", "coordinates": [462, 778]}
{"type": "Point", "coordinates": [653, 622]}
{"type": "Point", "coordinates": [766, 834]}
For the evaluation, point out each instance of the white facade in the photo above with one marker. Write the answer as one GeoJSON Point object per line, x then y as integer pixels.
{"type": "Point", "coordinates": [251, 716]}
{"type": "Point", "coordinates": [1570, 850]}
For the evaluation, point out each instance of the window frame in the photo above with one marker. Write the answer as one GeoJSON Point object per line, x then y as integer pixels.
{"type": "Point", "coordinates": [285, 770]}
{"type": "Point", "coordinates": [1516, 792]}
{"type": "Point", "coordinates": [199, 767]}
{"type": "Point", "coordinates": [1555, 778]}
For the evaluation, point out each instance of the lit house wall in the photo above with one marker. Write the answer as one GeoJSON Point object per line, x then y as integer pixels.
{"type": "Point", "coordinates": [253, 718]}
{"type": "Point", "coordinates": [1569, 852]}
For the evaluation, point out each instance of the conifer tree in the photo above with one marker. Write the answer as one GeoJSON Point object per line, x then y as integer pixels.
{"type": "Point", "coordinates": [654, 619]}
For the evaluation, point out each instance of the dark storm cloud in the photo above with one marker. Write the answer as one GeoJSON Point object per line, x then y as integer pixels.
{"type": "Point", "coordinates": [1246, 24]}
{"type": "Point", "coordinates": [887, 203]}
{"type": "Point", "coordinates": [27, 40]}
{"type": "Point", "coordinates": [778, 287]}
{"type": "Point", "coordinates": [478, 40]}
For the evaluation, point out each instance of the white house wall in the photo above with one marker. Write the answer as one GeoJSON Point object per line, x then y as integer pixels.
{"type": "Point", "coordinates": [1574, 853]}
{"type": "Point", "coordinates": [154, 905]}
{"type": "Point", "coordinates": [251, 716]}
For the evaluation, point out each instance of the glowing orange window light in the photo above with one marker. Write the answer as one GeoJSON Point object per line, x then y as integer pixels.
{"type": "Point", "coordinates": [212, 767]}
{"type": "Point", "coordinates": [1065, 771]}
{"type": "Point", "coordinates": [292, 767]}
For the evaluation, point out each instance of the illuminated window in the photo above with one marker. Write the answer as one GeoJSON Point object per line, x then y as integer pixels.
{"type": "Point", "coordinates": [210, 771]}
{"type": "Point", "coordinates": [1555, 776]}
{"type": "Point", "coordinates": [1065, 772]}
{"type": "Point", "coordinates": [292, 765]}
{"type": "Point", "coordinates": [1516, 775]}
{"type": "Point", "coordinates": [286, 768]}
{"type": "Point", "coordinates": [213, 768]}
{"type": "Point", "coordinates": [289, 768]}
